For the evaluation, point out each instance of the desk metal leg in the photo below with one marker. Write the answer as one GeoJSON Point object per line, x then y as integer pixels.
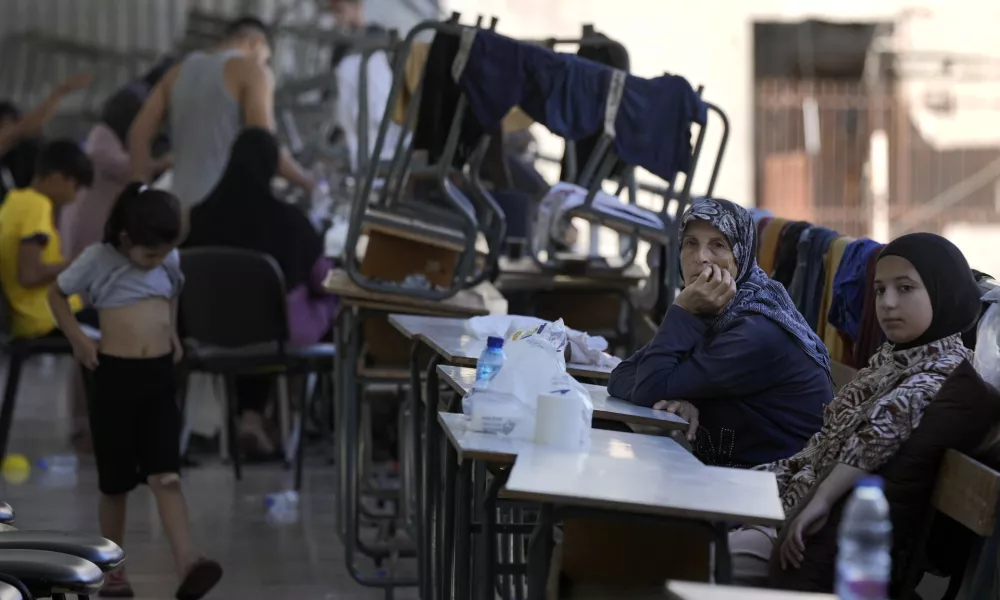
{"type": "Point", "coordinates": [415, 485]}
{"type": "Point", "coordinates": [723, 560]}
{"type": "Point", "coordinates": [486, 553]}
{"type": "Point", "coordinates": [463, 532]}
{"type": "Point", "coordinates": [539, 554]}
{"type": "Point", "coordinates": [447, 556]}
{"type": "Point", "coordinates": [429, 477]}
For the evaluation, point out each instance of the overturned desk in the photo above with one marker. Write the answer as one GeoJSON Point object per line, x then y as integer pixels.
{"type": "Point", "coordinates": [595, 301]}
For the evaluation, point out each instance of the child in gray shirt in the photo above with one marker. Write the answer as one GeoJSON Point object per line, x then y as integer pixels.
{"type": "Point", "coordinates": [134, 279]}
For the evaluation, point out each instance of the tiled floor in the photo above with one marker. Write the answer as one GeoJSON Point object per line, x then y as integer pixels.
{"type": "Point", "coordinates": [304, 560]}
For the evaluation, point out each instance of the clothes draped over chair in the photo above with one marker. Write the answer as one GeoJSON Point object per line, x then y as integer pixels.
{"type": "Point", "coordinates": [569, 95]}
{"type": "Point", "coordinates": [611, 55]}
{"type": "Point", "coordinates": [787, 255]}
{"type": "Point", "coordinates": [850, 287]}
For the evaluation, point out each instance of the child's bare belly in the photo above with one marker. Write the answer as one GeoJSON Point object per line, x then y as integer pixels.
{"type": "Point", "coordinates": [139, 330]}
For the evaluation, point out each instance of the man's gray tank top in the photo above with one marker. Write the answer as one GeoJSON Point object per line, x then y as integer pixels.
{"type": "Point", "coordinates": [205, 120]}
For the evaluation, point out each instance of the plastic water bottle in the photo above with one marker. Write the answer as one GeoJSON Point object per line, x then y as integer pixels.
{"type": "Point", "coordinates": [864, 564]}
{"type": "Point", "coordinates": [59, 463]}
{"type": "Point", "coordinates": [490, 360]}
{"type": "Point", "coordinates": [321, 204]}
{"type": "Point", "coordinates": [282, 507]}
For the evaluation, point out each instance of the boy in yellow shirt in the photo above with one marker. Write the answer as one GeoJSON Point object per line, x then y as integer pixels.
{"type": "Point", "coordinates": [30, 250]}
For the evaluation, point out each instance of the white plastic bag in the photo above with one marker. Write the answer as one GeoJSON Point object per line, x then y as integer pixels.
{"type": "Point", "coordinates": [534, 365]}
{"type": "Point", "coordinates": [585, 349]}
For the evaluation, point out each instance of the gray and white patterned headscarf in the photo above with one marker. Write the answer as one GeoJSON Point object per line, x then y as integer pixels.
{"type": "Point", "coordinates": [755, 292]}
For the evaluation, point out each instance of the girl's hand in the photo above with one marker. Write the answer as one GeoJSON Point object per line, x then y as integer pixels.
{"type": "Point", "coordinates": [684, 410]}
{"type": "Point", "coordinates": [808, 522]}
{"type": "Point", "coordinates": [85, 351]}
{"type": "Point", "coordinates": [178, 349]}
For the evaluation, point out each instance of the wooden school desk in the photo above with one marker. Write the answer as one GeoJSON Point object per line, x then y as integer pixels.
{"type": "Point", "coordinates": [632, 484]}
{"type": "Point", "coordinates": [467, 448]}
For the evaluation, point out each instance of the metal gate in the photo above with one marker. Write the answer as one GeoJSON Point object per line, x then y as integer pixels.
{"type": "Point", "coordinates": [918, 154]}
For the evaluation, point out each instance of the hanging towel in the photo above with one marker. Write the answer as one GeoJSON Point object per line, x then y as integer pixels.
{"type": "Point", "coordinates": [849, 282]}
{"type": "Point", "coordinates": [786, 257]}
{"type": "Point", "coordinates": [831, 337]}
{"type": "Point", "coordinates": [815, 276]}
{"type": "Point", "coordinates": [769, 244]}
{"type": "Point", "coordinates": [797, 287]}
{"type": "Point", "coordinates": [870, 335]}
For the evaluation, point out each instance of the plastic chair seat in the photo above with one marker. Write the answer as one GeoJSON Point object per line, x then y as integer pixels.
{"type": "Point", "coordinates": [43, 345]}
{"type": "Point", "coordinates": [258, 358]}
{"type": "Point", "coordinates": [104, 553]}
{"type": "Point", "coordinates": [6, 514]}
{"type": "Point", "coordinates": [45, 572]}
{"type": "Point", "coordinates": [646, 222]}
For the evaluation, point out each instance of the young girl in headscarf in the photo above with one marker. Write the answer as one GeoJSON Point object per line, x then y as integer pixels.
{"type": "Point", "coordinates": [733, 356]}
{"type": "Point", "coordinates": [926, 298]}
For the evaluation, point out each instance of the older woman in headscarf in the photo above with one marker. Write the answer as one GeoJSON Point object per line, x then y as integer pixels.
{"type": "Point", "coordinates": [926, 297]}
{"type": "Point", "coordinates": [733, 356]}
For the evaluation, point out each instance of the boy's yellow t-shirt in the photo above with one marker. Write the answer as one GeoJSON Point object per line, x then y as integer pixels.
{"type": "Point", "coordinates": [26, 215]}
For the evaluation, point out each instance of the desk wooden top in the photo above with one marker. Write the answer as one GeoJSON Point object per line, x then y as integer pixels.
{"type": "Point", "coordinates": [412, 326]}
{"type": "Point", "coordinates": [605, 407]}
{"type": "Point", "coordinates": [447, 337]}
{"type": "Point", "coordinates": [632, 482]}
{"type": "Point", "coordinates": [687, 590]}
{"type": "Point", "coordinates": [524, 275]}
{"type": "Point", "coordinates": [474, 445]}
{"type": "Point", "coordinates": [466, 303]}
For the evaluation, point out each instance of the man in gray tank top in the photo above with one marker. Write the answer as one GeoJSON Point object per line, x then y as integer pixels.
{"type": "Point", "coordinates": [210, 97]}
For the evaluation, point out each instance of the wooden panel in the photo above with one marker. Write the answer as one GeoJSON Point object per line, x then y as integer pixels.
{"type": "Point", "coordinates": [391, 257]}
{"type": "Point", "coordinates": [616, 551]}
{"type": "Point", "coordinates": [788, 186]}
{"type": "Point", "coordinates": [968, 491]}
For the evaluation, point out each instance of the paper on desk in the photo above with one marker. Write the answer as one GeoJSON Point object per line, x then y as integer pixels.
{"type": "Point", "coordinates": [585, 349]}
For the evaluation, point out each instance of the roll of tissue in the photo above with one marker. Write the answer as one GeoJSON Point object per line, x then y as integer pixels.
{"type": "Point", "coordinates": [562, 421]}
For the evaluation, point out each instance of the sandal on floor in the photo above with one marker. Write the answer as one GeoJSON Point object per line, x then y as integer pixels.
{"type": "Point", "coordinates": [200, 579]}
{"type": "Point", "coordinates": [116, 585]}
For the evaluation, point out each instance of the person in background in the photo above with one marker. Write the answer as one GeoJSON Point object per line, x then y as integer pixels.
{"type": "Point", "coordinates": [925, 298]}
{"type": "Point", "coordinates": [347, 68]}
{"type": "Point", "coordinates": [242, 212]}
{"type": "Point", "coordinates": [209, 98]}
{"type": "Point", "coordinates": [732, 356]}
{"type": "Point", "coordinates": [133, 278]}
{"type": "Point", "coordinates": [19, 132]}
{"type": "Point", "coordinates": [31, 254]}
{"type": "Point", "coordinates": [82, 223]}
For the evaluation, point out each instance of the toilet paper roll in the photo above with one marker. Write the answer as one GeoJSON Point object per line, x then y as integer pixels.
{"type": "Point", "coordinates": [562, 421]}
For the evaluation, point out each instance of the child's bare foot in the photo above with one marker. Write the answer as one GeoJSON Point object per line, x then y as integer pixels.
{"type": "Point", "coordinates": [201, 577]}
{"type": "Point", "coordinates": [116, 585]}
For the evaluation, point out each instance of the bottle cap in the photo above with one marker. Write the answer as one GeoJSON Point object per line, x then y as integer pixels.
{"type": "Point", "coordinates": [494, 342]}
{"type": "Point", "coordinates": [870, 481]}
